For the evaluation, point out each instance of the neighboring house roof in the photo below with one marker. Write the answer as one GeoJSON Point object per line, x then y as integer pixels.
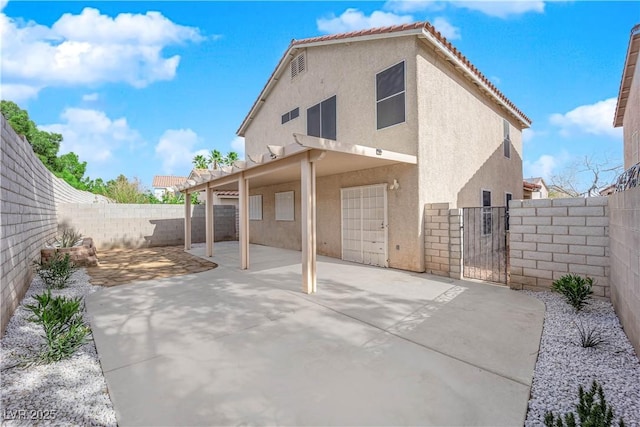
{"type": "Point", "coordinates": [627, 75]}
{"type": "Point", "coordinates": [166, 181]}
{"type": "Point", "coordinates": [538, 181]}
{"type": "Point", "coordinates": [530, 186]}
{"type": "Point", "coordinates": [419, 29]}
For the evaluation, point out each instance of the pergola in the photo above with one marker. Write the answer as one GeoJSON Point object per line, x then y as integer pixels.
{"type": "Point", "coordinates": [304, 160]}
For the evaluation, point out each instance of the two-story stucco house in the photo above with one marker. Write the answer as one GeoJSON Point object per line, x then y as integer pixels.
{"type": "Point", "coordinates": [628, 108]}
{"type": "Point", "coordinates": [391, 119]}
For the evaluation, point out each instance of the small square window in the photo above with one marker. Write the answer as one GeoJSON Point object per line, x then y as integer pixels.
{"type": "Point", "coordinates": [285, 206]}
{"type": "Point", "coordinates": [286, 117]}
{"type": "Point", "coordinates": [294, 113]}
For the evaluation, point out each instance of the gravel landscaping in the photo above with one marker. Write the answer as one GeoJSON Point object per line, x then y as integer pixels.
{"type": "Point", "coordinates": [71, 392]}
{"type": "Point", "coordinates": [563, 364]}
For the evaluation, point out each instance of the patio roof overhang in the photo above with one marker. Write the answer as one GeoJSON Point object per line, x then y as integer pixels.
{"type": "Point", "coordinates": [303, 160]}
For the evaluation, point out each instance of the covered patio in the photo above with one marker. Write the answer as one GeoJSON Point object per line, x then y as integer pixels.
{"type": "Point", "coordinates": [304, 160]}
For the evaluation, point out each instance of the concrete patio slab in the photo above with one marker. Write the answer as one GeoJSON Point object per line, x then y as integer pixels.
{"type": "Point", "coordinates": [372, 347]}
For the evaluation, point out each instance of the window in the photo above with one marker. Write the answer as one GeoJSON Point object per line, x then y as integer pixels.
{"type": "Point", "coordinates": [487, 220]}
{"type": "Point", "coordinates": [390, 96]}
{"type": "Point", "coordinates": [321, 119]}
{"type": "Point", "coordinates": [298, 65]}
{"type": "Point", "coordinates": [293, 114]}
{"type": "Point", "coordinates": [255, 207]}
{"type": "Point", "coordinates": [284, 206]}
{"type": "Point", "coordinates": [506, 140]}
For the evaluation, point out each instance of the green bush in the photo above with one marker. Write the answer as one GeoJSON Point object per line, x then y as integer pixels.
{"type": "Point", "coordinates": [592, 412]}
{"type": "Point", "coordinates": [69, 238]}
{"type": "Point", "coordinates": [590, 336]}
{"type": "Point", "coordinates": [576, 290]}
{"type": "Point", "coordinates": [64, 328]}
{"type": "Point", "coordinates": [57, 272]}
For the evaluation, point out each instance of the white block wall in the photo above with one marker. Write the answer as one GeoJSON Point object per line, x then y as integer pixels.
{"type": "Point", "coordinates": [553, 237]}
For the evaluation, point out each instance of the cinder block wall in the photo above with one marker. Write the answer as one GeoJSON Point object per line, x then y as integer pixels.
{"type": "Point", "coordinates": [624, 236]}
{"type": "Point", "coordinates": [552, 237]}
{"type": "Point", "coordinates": [133, 226]}
{"type": "Point", "coordinates": [443, 240]}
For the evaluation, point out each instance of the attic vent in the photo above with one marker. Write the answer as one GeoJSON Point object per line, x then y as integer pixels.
{"type": "Point", "coordinates": [298, 65]}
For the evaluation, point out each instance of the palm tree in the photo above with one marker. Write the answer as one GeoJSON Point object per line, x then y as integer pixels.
{"type": "Point", "coordinates": [215, 159]}
{"type": "Point", "coordinates": [200, 162]}
{"type": "Point", "coordinates": [231, 157]}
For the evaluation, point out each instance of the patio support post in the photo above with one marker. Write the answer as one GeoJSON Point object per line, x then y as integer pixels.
{"type": "Point", "coordinates": [187, 221]}
{"type": "Point", "coordinates": [209, 212]}
{"type": "Point", "coordinates": [243, 196]}
{"type": "Point", "coordinates": [308, 202]}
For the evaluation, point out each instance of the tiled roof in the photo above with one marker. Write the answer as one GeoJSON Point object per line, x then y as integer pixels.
{"type": "Point", "coordinates": [165, 181]}
{"type": "Point", "coordinates": [413, 28]}
{"type": "Point", "coordinates": [630, 64]}
{"type": "Point", "coordinates": [227, 193]}
{"type": "Point", "coordinates": [531, 186]}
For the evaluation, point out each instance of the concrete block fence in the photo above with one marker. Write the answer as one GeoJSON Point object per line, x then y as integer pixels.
{"type": "Point", "coordinates": [443, 240]}
{"type": "Point", "coordinates": [553, 237]}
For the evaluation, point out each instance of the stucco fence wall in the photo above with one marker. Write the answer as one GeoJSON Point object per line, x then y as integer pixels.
{"type": "Point", "coordinates": [134, 226]}
{"type": "Point", "coordinates": [624, 236]}
{"type": "Point", "coordinates": [29, 193]}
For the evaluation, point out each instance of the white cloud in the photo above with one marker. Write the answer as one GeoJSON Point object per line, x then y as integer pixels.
{"type": "Point", "coordinates": [543, 167]}
{"type": "Point", "coordinates": [353, 19]}
{"type": "Point", "coordinates": [92, 135]}
{"type": "Point", "coordinates": [595, 119]}
{"type": "Point", "coordinates": [18, 93]}
{"type": "Point", "coordinates": [91, 48]}
{"type": "Point", "coordinates": [237, 145]}
{"type": "Point", "coordinates": [446, 28]}
{"type": "Point", "coordinates": [527, 135]}
{"type": "Point", "coordinates": [90, 97]}
{"type": "Point", "coordinates": [3, 3]}
{"type": "Point", "coordinates": [499, 9]}
{"type": "Point", "coordinates": [503, 9]}
{"type": "Point", "coordinates": [176, 149]}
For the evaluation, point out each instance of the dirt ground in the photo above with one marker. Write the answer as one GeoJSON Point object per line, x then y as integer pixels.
{"type": "Point", "coordinates": [120, 266]}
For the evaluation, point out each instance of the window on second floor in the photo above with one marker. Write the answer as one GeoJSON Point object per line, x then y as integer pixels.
{"type": "Point", "coordinates": [321, 119]}
{"type": "Point", "coordinates": [506, 139]}
{"type": "Point", "coordinates": [290, 115]}
{"type": "Point", "coordinates": [390, 96]}
{"type": "Point", "coordinates": [298, 65]}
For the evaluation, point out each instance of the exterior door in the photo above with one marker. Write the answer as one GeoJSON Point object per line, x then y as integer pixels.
{"type": "Point", "coordinates": [364, 224]}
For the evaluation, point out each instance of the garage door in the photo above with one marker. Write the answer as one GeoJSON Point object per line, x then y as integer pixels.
{"type": "Point", "coordinates": [364, 224]}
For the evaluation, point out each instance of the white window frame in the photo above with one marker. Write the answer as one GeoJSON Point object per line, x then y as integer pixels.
{"type": "Point", "coordinates": [285, 206]}
{"type": "Point", "coordinates": [506, 138]}
{"type": "Point", "coordinates": [375, 95]}
{"type": "Point", "coordinates": [255, 207]}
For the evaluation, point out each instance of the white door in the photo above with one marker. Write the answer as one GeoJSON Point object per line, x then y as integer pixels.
{"type": "Point", "coordinates": [364, 224]}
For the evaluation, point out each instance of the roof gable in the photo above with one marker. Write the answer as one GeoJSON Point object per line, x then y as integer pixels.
{"type": "Point", "coordinates": [629, 69]}
{"type": "Point", "coordinates": [422, 30]}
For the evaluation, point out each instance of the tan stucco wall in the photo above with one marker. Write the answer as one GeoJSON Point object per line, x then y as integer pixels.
{"type": "Point", "coordinates": [631, 120]}
{"type": "Point", "coordinates": [355, 96]}
{"type": "Point", "coordinates": [461, 135]}
{"type": "Point", "coordinates": [405, 239]}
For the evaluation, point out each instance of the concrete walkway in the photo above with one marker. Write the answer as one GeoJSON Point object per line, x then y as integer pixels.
{"type": "Point", "coordinates": [373, 347]}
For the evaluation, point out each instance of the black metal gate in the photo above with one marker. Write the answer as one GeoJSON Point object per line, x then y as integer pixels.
{"type": "Point", "coordinates": [485, 249]}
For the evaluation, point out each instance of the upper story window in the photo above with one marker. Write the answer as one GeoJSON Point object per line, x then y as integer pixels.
{"type": "Point", "coordinates": [487, 214]}
{"type": "Point", "coordinates": [298, 65]}
{"type": "Point", "coordinates": [321, 119]}
{"type": "Point", "coordinates": [390, 96]}
{"type": "Point", "coordinates": [506, 139]}
{"type": "Point", "coordinates": [288, 116]}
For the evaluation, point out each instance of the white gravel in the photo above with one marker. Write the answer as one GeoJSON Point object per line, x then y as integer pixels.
{"type": "Point", "coordinates": [71, 392]}
{"type": "Point", "coordinates": [563, 364]}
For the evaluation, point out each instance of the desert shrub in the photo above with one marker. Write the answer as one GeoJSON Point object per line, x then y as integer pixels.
{"type": "Point", "coordinates": [589, 336]}
{"type": "Point", "coordinates": [64, 328]}
{"type": "Point", "coordinates": [69, 238]}
{"type": "Point", "coordinates": [57, 272]}
{"type": "Point", "coordinates": [592, 410]}
{"type": "Point", "coordinates": [576, 290]}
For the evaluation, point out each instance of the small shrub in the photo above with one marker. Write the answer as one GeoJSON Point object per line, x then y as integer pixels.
{"type": "Point", "coordinates": [592, 412]}
{"type": "Point", "coordinates": [590, 336]}
{"type": "Point", "coordinates": [57, 272]}
{"type": "Point", "coordinates": [576, 290]}
{"type": "Point", "coordinates": [64, 328]}
{"type": "Point", "coordinates": [69, 238]}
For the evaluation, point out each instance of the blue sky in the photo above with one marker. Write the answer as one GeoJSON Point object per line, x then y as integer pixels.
{"type": "Point", "coordinates": [140, 87]}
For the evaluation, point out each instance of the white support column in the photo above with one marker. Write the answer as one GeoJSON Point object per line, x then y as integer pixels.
{"type": "Point", "coordinates": [243, 196]}
{"type": "Point", "coordinates": [308, 220]}
{"type": "Point", "coordinates": [209, 221]}
{"type": "Point", "coordinates": [187, 221]}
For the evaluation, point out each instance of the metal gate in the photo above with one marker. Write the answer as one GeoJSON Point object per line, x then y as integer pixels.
{"type": "Point", "coordinates": [485, 250]}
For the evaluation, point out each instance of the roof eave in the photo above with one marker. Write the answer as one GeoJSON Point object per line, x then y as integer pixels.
{"type": "Point", "coordinates": [630, 63]}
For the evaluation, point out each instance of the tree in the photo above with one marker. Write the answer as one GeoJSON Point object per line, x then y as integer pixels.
{"type": "Point", "coordinates": [215, 159]}
{"type": "Point", "coordinates": [231, 157]}
{"type": "Point", "coordinates": [584, 177]}
{"type": "Point", "coordinates": [71, 163]}
{"type": "Point", "coordinates": [200, 162]}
